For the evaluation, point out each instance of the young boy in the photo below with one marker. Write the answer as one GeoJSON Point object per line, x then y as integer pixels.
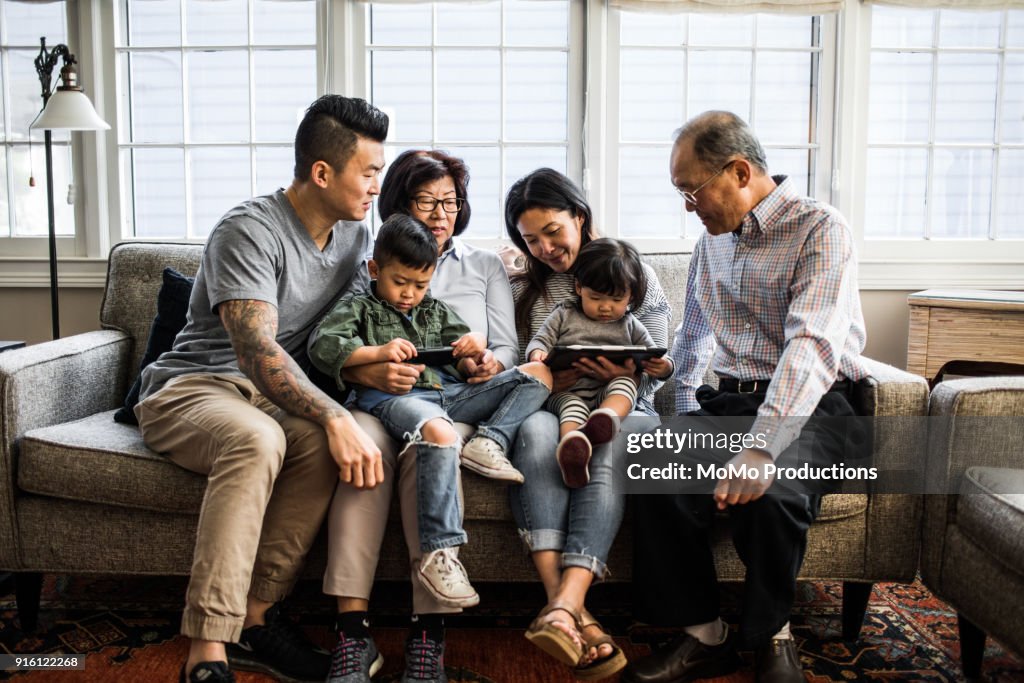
{"type": "Point", "coordinates": [389, 324]}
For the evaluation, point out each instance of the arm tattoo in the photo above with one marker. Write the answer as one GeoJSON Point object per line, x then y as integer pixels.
{"type": "Point", "coordinates": [252, 327]}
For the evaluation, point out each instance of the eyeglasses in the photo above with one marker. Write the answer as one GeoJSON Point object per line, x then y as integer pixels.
{"type": "Point", "coordinates": [691, 197]}
{"type": "Point", "coordinates": [449, 204]}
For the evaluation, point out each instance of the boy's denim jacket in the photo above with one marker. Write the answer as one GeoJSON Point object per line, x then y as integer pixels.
{"type": "Point", "coordinates": [364, 320]}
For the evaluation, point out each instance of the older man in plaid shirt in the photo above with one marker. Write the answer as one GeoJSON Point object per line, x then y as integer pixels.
{"type": "Point", "coordinates": [772, 302]}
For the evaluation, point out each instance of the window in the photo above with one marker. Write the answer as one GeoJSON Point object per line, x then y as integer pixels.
{"type": "Point", "coordinates": [210, 95]}
{"type": "Point", "coordinates": [23, 207]}
{"type": "Point", "coordinates": [489, 82]}
{"type": "Point", "coordinates": [766, 68]}
{"type": "Point", "coordinates": [945, 130]}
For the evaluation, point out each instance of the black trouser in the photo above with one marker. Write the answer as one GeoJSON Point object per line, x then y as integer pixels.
{"type": "Point", "coordinates": [673, 566]}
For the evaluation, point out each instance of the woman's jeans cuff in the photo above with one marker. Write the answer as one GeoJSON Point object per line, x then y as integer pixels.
{"type": "Point", "coordinates": [595, 566]}
{"type": "Point", "coordinates": [441, 543]}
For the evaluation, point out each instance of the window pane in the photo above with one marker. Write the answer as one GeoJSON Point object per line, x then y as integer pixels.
{"type": "Point", "coordinates": [158, 186]}
{"type": "Point", "coordinates": [536, 97]}
{"type": "Point", "coordinates": [1015, 29]}
{"type": "Point", "coordinates": [965, 102]}
{"type": "Point", "coordinates": [284, 23]}
{"type": "Point", "coordinates": [5, 207]}
{"type": "Point", "coordinates": [900, 97]}
{"type": "Point", "coordinates": [783, 96]}
{"type": "Point", "coordinates": [708, 71]}
{"type": "Point", "coordinates": [961, 193]}
{"type": "Point", "coordinates": [1012, 124]}
{"type": "Point", "coordinates": [897, 27]}
{"type": "Point", "coordinates": [793, 163]}
{"type": "Point", "coordinates": [153, 99]}
{"type": "Point", "coordinates": [31, 211]}
{"type": "Point", "coordinates": [224, 22]}
{"type": "Point", "coordinates": [648, 206]}
{"type": "Point", "coordinates": [1010, 179]}
{"type": "Point", "coordinates": [520, 161]}
{"type": "Point", "coordinates": [400, 24]}
{"type": "Point", "coordinates": [24, 22]}
{"type": "Point", "coordinates": [642, 28]}
{"type": "Point", "coordinates": [25, 91]}
{"type": "Point", "coordinates": [779, 30]}
{"type": "Point", "coordinates": [220, 180]}
{"type": "Point", "coordinates": [3, 91]}
{"type": "Point", "coordinates": [469, 95]}
{"type": "Point", "coordinates": [153, 22]}
{"type": "Point", "coordinates": [537, 22]}
{"type": "Point", "coordinates": [721, 29]}
{"type": "Point", "coordinates": [275, 168]}
{"type": "Point", "coordinates": [468, 23]}
{"type": "Point", "coordinates": [969, 29]}
{"type": "Point", "coordinates": [285, 83]}
{"type": "Point", "coordinates": [651, 94]}
{"type": "Point", "coordinates": [401, 86]}
{"type": "Point", "coordinates": [484, 190]}
{"type": "Point", "coordinates": [895, 204]}
{"type": "Point", "coordinates": [218, 96]}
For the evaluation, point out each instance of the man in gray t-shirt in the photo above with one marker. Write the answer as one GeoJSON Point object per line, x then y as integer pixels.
{"type": "Point", "coordinates": [231, 400]}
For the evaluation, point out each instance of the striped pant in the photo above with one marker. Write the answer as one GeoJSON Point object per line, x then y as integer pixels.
{"type": "Point", "coordinates": [576, 406]}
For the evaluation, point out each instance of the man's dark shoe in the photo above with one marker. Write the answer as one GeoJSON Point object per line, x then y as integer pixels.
{"type": "Point", "coordinates": [685, 659]}
{"type": "Point", "coordinates": [207, 672]}
{"type": "Point", "coordinates": [424, 659]}
{"type": "Point", "coordinates": [281, 649]}
{"type": "Point", "coordinates": [354, 660]}
{"type": "Point", "coordinates": [777, 662]}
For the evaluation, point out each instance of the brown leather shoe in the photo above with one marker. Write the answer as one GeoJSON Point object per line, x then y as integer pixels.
{"type": "Point", "coordinates": [685, 659]}
{"type": "Point", "coordinates": [777, 662]}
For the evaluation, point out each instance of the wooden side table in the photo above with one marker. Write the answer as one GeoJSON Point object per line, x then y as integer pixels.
{"type": "Point", "coordinates": [965, 325]}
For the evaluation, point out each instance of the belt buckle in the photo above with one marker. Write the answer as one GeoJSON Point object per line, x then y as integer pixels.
{"type": "Point", "coordinates": [752, 383]}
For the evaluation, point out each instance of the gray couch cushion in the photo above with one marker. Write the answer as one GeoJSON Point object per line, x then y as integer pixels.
{"type": "Point", "coordinates": [991, 512]}
{"type": "Point", "coordinates": [97, 460]}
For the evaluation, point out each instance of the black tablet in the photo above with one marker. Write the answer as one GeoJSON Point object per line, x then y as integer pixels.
{"type": "Point", "coordinates": [435, 357]}
{"type": "Point", "coordinates": [562, 357]}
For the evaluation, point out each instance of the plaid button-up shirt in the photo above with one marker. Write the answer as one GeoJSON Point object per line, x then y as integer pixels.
{"type": "Point", "coordinates": [780, 299]}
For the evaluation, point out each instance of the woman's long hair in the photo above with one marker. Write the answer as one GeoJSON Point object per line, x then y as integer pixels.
{"type": "Point", "coordinates": [545, 188]}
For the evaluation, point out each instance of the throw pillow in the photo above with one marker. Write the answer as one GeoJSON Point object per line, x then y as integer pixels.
{"type": "Point", "coordinates": [171, 311]}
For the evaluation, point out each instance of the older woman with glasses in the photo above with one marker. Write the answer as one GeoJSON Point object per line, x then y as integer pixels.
{"type": "Point", "coordinates": [428, 185]}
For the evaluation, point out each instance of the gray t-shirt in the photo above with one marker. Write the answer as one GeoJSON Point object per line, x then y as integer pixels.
{"type": "Point", "coordinates": [260, 250]}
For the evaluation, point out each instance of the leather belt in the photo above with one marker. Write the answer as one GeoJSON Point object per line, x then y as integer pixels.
{"type": "Point", "coordinates": [760, 386]}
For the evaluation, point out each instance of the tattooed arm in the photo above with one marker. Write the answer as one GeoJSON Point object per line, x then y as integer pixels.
{"type": "Point", "coordinates": [252, 327]}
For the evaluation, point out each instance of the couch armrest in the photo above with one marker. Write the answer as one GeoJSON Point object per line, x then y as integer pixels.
{"type": "Point", "coordinates": [49, 384]}
{"type": "Point", "coordinates": [897, 402]}
{"type": "Point", "coordinates": [974, 422]}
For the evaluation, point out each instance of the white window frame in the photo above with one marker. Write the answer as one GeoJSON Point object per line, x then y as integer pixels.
{"type": "Point", "coordinates": [341, 67]}
{"type": "Point", "coordinates": [823, 122]}
{"type": "Point", "coordinates": [351, 75]}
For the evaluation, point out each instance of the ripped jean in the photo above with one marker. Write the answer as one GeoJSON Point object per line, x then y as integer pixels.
{"type": "Point", "coordinates": [497, 406]}
{"type": "Point", "coordinates": [579, 523]}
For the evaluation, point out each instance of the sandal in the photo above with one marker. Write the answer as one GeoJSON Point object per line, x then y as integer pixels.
{"type": "Point", "coordinates": [553, 640]}
{"type": "Point", "coordinates": [602, 667]}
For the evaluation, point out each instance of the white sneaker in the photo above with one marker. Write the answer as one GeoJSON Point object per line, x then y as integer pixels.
{"type": "Point", "coordinates": [486, 457]}
{"type": "Point", "coordinates": [445, 578]}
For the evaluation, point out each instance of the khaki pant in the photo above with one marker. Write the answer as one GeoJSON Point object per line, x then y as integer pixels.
{"type": "Point", "coordinates": [359, 517]}
{"type": "Point", "coordinates": [270, 481]}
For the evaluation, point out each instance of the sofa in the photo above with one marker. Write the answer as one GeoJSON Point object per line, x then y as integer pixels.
{"type": "Point", "coordinates": [973, 541]}
{"type": "Point", "coordinates": [81, 493]}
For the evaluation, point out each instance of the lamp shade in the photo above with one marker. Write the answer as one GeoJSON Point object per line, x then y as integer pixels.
{"type": "Point", "coordinates": [70, 109]}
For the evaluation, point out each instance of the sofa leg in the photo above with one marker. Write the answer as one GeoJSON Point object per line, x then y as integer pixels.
{"type": "Point", "coordinates": [28, 588]}
{"type": "Point", "coordinates": [972, 647]}
{"type": "Point", "coordinates": [855, 605]}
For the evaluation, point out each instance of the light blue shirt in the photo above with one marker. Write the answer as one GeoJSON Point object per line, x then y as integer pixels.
{"type": "Point", "coordinates": [473, 282]}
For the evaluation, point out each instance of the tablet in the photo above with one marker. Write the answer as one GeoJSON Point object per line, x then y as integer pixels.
{"type": "Point", "coordinates": [434, 357]}
{"type": "Point", "coordinates": [562, 357]}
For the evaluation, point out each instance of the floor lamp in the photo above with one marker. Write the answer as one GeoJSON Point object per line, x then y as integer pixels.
{"type": "Point", "coordinates": [66, 109]}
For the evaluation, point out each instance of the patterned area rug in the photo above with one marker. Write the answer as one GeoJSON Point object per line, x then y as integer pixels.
{"type": "Point", "coordinates": [128, 627]}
